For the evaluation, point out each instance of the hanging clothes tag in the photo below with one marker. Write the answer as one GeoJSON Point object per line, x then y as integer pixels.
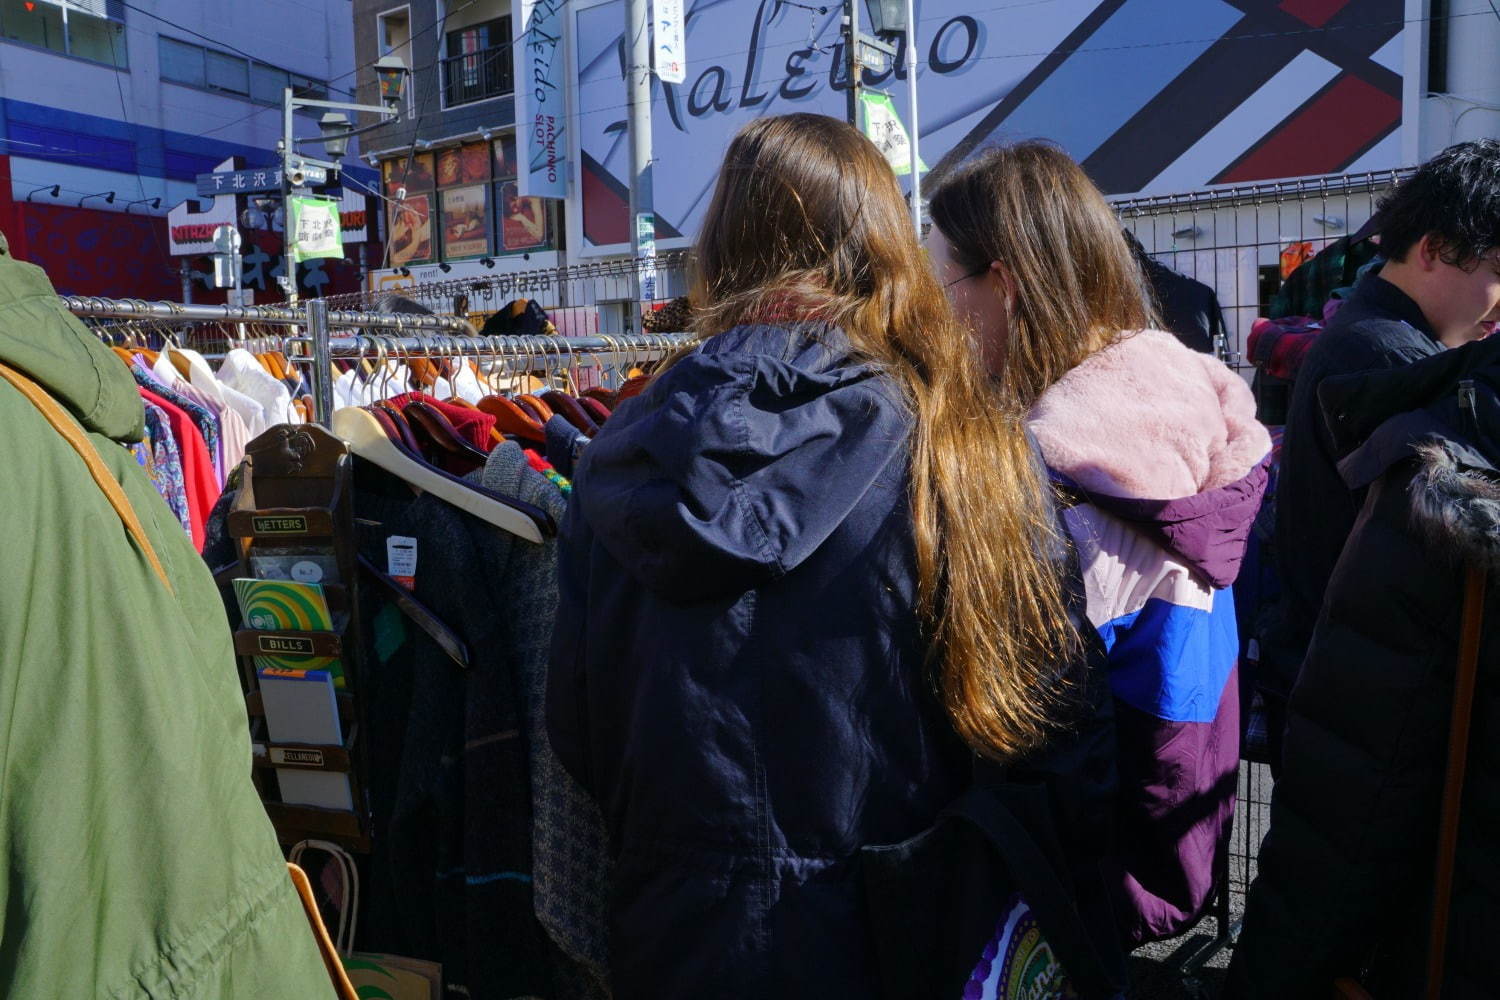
{"type": "Point", "coordinates": [401, 560]}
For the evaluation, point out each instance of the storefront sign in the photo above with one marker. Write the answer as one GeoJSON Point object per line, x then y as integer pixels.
{"type": "Point", "coordinates": [239, 182]}
{"type": "Point", "coordinates": [1143, 93]}
{"type": "Point", "coordinates": [541, 97]}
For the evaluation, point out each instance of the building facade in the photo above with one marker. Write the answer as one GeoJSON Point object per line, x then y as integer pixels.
{"type": "Point", "coordinates": [1153, 97]}
{"type": "Point", "coordinates": [109, 110]}
{"type": "Point", "coordinates": [449, 170]}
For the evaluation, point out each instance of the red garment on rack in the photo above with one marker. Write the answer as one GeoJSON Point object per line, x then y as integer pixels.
{"type": "Point", "coordinates": [474, 426]}
{"type": "Point", "coordinates": [197, 465]}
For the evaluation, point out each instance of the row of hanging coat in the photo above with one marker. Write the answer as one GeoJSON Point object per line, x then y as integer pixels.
{"type": "Point", "coordinates": [200, 411]}
{"type": "Point", "coordinates": [486, 858]}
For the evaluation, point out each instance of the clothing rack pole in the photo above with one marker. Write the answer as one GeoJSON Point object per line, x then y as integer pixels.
{"type": "Point", "coordinates": [538, 347]}
{"type": "Point", "coordinates": [276, 315]}
{"type": "Point", "coordinates": [317, 327]}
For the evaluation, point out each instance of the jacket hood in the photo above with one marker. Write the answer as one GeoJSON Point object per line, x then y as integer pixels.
{"type": "Point", "coordinates": [40, 337]}
{"type": "Point", "coordinates": [1355, 406]}
{"type": "Point", "coordinates": [1455, 492]}
{"type": "Point", "coordinates": [740, 460]}
{"type": "Point", "coordinates": [1457, 506]}
{"type": "Point", "coordinates": [1165, 437]}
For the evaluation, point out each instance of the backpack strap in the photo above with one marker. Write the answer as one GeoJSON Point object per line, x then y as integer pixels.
{"type": "Point", "coordinates": [74, 435]}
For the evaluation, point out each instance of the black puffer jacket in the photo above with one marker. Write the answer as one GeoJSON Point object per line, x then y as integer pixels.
{"type": "Point", "coordinates": [1346, 871]}
{"type": "Point", "coordinates": [740, 678]}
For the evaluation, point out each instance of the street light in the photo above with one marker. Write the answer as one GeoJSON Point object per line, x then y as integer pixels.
{"type": "Point", "coordinates": [335, 128]}
{"type": "Point", "coordinates": [391, 73]}
{"type": "Point", "coordinates": [55, 189]}
{"type": "Point", "coordinates": [299, 172]}
{"type": "Point", "coordinates": [888, 17]}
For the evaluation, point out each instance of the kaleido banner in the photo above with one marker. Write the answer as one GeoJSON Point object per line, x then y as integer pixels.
{"type": "Point", "coordinates": [541, 98]}
{"type": "Point", "coordinates": [1151, 96]}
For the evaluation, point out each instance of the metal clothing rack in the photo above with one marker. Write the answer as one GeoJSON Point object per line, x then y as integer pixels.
{"type": "Point", "coordinates": [414, 335]}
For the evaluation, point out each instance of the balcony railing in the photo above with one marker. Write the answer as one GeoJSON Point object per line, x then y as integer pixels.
{"type": "Point", "coordinates": [478, 76]}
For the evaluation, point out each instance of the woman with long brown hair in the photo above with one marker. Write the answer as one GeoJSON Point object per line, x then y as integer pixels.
{"type": "Point", "coordinates": [1159, 450]}
{"type": "Point", "coordinates": [808, 575]}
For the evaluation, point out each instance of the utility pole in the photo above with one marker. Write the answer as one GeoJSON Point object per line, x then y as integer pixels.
{"type": "Point", "coordinates": [851, 59]}
{"type": "Point", "coordinates": [911, 87]}
{"type": "Point", "coordinates": [638, 100]}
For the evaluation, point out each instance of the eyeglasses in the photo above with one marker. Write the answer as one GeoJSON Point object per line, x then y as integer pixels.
{"type": "Point", "coordinates": [966, 277]}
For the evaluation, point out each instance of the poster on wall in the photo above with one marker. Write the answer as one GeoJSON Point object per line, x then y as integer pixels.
{"type": "Point", "coordinates": [505, 157]}
{"type": "Point", "coordinates": [411, 231]}
{"type": "Point", "coordinates": [523, 220]}
{"type": "Point", "coordinates": [468, 164]}
{"type": "Point", "coordinates": [466, 231]}
{"type": "Point", "coordinates": [541, 95]}
{"type": "Point", "coordinates": [1151, 96]}
{"type": "Point", "coordinates": [414, 174]}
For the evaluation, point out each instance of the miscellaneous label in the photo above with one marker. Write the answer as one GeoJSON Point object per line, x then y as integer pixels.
{"type": "Point", "coordinates": [401, 560]}
{"type": "Point", "coordinates": [305, 758]}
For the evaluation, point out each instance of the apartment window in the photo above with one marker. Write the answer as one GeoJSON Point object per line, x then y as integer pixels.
{"type": "Point", "coordinates": [395, 32]}
{"type": "Point", "coordinates": [183, 63]}
{"type": "Point", "coordinates": [477, 65]}
{"type": "Point", "coordinates": [230, 74]}
{"type": "Point", "coordinates": [393, 38]}
{"type": "Point", "coordinates": [87, 29]}
{"type": "Point", "coordinates": [226, 73]}
{"type": "Point", "coordinates": [313, 90]}
{"type": "Point", "coordinates": [267, 83]}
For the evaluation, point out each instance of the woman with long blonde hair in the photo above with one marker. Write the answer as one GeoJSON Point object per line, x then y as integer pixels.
{"type": "Point", "coordinates": [809, 574]}
{"type": "Point", "coordinates": [1159, 450]}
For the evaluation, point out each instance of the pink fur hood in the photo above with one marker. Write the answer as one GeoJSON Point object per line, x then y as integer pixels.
{"type": "Point", "coordinates": [1150, 419]}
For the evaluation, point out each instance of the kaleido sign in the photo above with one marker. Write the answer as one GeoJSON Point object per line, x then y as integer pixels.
{"type": "Point", "coordinates": [1150, 95]}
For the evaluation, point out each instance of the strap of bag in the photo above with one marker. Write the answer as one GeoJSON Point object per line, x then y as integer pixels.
{"type": "Point", "coordinates": [74, 435]}
{"type": "Point", "coordinates": [1464, 683]}
{"type": "Point", "coordinates": [336, 974]}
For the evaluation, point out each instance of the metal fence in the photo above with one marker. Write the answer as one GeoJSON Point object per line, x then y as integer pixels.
{"type": "Point", "coordinates": [581, 300]}
{"type": "Point", "coordinates": [1235, 239]}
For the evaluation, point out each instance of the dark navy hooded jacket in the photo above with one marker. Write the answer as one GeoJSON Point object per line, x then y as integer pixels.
{"type": "Point", "coordinates": [738, 675]}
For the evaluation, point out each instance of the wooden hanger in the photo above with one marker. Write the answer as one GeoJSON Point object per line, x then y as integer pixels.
{"type": "Point", "coordinates": [179, 362]}
{"type": "Point", "coordinates": [511, 419]}
{"type": "Point", "coordinates": [369, 442]}
{"type": "Point", "coordinates": [595, 409]}
{"type": "Point", "coordinates": [571, 411]}
{"type": "Point", "coordinates": [450, 450]}
{"type": "Point", "coordinates": [403, 429]}
{"type": "Point", "coordinates": [543, 411]}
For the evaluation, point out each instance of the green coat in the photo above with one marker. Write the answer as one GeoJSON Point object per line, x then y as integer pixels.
{"type": "Point", "coordinates": [135, 857]}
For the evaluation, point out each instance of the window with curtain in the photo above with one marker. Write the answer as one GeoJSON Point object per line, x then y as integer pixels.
{"type": "Point", "coordinates": [88, 29]}
{"type": "Point", "coordinates": [267, 83]}
{"type": "Point", "coordinates": [228, 73]}
{"type": "Point", "coordinates": [182, 63]}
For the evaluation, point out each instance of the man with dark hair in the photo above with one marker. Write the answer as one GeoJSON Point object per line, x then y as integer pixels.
{"type": "Point", "coordinates": [1439, 288]}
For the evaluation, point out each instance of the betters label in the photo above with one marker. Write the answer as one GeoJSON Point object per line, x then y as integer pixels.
{"type": "Point", "coordinates": [279, 525]}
